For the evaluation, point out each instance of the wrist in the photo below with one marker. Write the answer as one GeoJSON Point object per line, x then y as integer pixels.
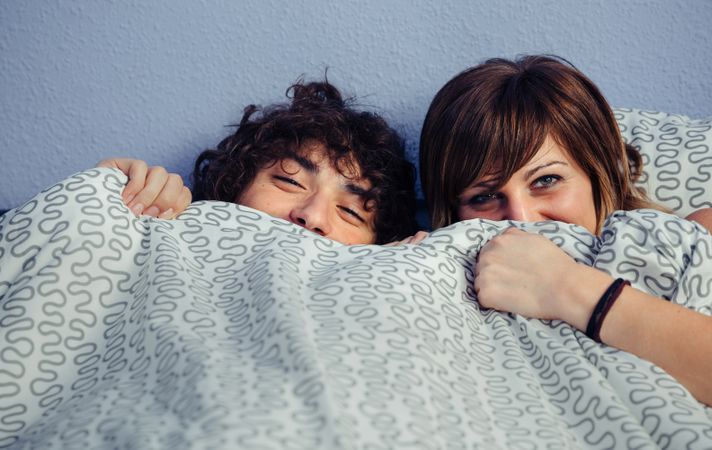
{"type": "Point", "coordinates": [603, 306]}
{"type": "Point", "coordinates": [582, 290]}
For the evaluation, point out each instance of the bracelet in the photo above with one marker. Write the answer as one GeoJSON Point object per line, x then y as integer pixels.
{"type": "Point", "coordinates": [593, 329]}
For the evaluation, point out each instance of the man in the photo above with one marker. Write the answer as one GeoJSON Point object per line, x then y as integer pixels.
{"type": "Point", "coordinates": [316, 162]}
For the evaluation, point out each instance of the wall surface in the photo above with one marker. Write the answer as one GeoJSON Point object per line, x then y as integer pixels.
{"type": "Point", "coordinates": [82, 80]}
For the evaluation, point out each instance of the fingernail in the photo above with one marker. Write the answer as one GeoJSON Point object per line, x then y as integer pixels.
{"type": "Point", "coordinates": [137, 209]}
{"type": "Point", "coordinates": [151, 211]}
{"type": "Point", "coordinates": [167, 214]}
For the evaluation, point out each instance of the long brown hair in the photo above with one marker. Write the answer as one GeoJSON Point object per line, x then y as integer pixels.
{"type": "Point", "coordinates": [495, 117]}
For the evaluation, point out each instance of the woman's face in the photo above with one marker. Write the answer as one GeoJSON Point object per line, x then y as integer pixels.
{"type": "Point", "coordinates": [551, 186]}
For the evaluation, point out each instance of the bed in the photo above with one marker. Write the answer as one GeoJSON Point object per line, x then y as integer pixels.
{"type": "Point", "coordinates": [227, 328]}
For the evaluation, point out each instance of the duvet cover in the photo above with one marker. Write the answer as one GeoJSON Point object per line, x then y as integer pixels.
{"type": "Point", "coordinates": [228, 328]}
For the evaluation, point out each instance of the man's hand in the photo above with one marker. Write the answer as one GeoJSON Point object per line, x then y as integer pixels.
{"type": "Point", "coordinates": [415, 239]}
{"type": "Point", "coordinates": [151, 191]}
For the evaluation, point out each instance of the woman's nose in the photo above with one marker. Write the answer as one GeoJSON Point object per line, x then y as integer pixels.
{"type": "Point", "coordinates": [523, 209]}
{"type": "Point", "coordinates": [312, 213]}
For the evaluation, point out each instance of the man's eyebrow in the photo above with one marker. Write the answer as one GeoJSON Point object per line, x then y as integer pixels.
{"type": "Point", "coordinates": [534, 170]}
{"type": "Point", "coordinates": [306, 163]}
{"type": "Point", "coordinates": [311, 167]}
{"type": "Point", "coordinates": [355, 189]}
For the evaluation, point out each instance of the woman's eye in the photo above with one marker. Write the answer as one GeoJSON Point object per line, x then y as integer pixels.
{"type": "Point", "coordinates": [483, 199]}
{"type": "Point", "coordinates": [546, 181]}
{"type": "Point", "coordinates": [352, 213]}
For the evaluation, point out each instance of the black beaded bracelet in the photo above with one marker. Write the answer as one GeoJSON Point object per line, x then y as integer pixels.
{"type": "Point", "coordinates": [593, 329]}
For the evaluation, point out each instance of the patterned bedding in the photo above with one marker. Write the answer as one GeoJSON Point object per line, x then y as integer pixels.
{"type": "Point", "coordinates": [227, 328]}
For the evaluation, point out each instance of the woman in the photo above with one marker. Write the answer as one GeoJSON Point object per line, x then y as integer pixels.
{"type": "Point", "coordinates": [531, 140]}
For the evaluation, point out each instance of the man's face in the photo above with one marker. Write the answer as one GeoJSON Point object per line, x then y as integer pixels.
{"type": "Point", "coordinates": [308, 191]}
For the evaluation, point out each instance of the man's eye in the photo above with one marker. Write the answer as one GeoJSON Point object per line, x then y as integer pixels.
{"type": "Point", "coordinates": [352, 213]}
{"type": "Point", "coordinates": [288, 181]}
{"type": "Point", "coordinates": [546, 181]}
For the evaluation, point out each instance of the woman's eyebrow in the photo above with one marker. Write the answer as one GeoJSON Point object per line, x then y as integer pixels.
{"type": "Point", "coordinates": [485, 184]}
{"type": "Point", "coordinates": [534, 170]}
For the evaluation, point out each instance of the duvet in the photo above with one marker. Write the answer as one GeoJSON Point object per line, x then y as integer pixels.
{"type": "Point", "coordinates": [227, 328]}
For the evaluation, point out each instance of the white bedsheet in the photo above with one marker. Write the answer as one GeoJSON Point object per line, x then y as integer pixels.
{"type": "Point", "coordinates": [227, 328]}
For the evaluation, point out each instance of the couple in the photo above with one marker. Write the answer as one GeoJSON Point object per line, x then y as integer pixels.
{"type": "Point", "coordinates": [527, 140]}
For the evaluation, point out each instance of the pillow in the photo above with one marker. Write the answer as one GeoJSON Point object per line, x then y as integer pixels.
{"type": "Point", "coordinates": [677, 157]}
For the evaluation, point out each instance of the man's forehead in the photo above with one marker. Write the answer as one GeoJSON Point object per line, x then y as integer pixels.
{"type": "Point", "coordinates": [316, 157]}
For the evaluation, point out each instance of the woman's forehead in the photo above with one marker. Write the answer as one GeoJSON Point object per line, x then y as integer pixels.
{"type": "Point", "coordinates": [494, 171]}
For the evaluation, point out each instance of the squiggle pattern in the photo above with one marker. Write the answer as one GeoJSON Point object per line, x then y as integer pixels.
{"type": "Point", "coordinates": [227, 328]}
{"type": "Point", "coordinates": [677, 157]}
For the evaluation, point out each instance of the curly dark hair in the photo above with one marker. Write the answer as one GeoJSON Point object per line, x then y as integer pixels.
{"type": "Point", "coordinates": [317, 113]}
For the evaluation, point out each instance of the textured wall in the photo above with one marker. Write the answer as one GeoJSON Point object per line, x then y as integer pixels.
{"type": "Point", "coordinates": [82, 80]}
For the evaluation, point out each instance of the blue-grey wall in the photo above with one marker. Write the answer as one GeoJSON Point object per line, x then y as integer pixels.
{"type": "Point", "coordinates": [82, 80]}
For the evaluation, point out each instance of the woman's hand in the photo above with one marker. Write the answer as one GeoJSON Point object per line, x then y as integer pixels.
{"type": "Point", "coordinates": [151, 191]}
{"type": "Point", "coordinates": [527, 274]}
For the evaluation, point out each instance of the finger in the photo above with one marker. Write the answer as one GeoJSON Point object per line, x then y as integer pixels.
{"type": "Point", "coordinates": [419, 237]}
{"type": "Point", "coordinates": [134, 169]}
{"type": "Point", "coordinates": [111, 163]}
{"type": "Point", "coordinates": [514, 231]}
{"type": "Point", "coordinates": [137, 172]}
{"type": "Point", "coordinates": [401, 242]}
{"type": "Point", "coordinates": [174, 195]}
{"type": "Point", "coordinates": [179, 205]}
{"type": "Point", "coordinates": [505, 238]}
{"type": "Point", "coordinates": [484, 296]}
{"type": "Point", "coordinates": [167, 214]}
{"type": "Point", "coordinates": [183, 201]}
{"type": "Point", "coordinates": [492, 242]}
{"type": "Point", "coordinates": [151, 211]}
{"type": "Point", "coordinates": [155, 181]}
{"type": "Point", "coordinates": [123, 164]}
{"type": "Point", "coordinates": [483, 259]}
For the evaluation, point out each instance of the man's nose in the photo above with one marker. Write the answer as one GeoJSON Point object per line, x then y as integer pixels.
{"type": "Point", "coordinates": [312, 213]}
